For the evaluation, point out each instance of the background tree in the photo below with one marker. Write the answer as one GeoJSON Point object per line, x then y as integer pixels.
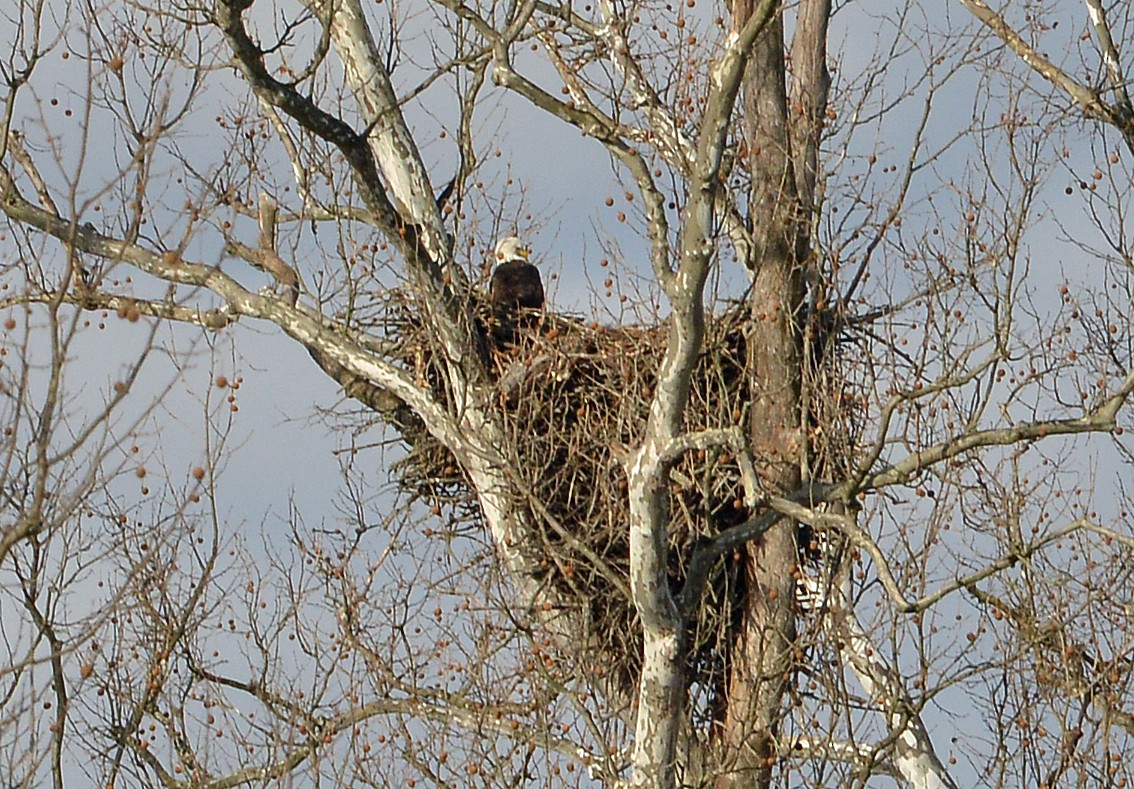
{"type": "Point", "coordinates": [831, 511]}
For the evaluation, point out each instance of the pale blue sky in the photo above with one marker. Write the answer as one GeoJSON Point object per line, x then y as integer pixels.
{"type": "Point", "coordinates": [281, 453]}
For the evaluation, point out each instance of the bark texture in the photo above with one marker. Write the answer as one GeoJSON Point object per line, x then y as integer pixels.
{"type": "Point", "coordinates": [761, 658]}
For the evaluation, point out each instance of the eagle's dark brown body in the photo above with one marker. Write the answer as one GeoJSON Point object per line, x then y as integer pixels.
{"type": "Point", "coordinates": [516, 287]}
{"type": "Point", "coordinates": [516, 283]}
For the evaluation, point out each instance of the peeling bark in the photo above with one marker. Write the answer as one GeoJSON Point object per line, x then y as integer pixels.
{"type": "Point", "coordinates": [661, 690]}
{"type": "Point", "coordinates": [389, 137]}
{"type": "Point", "coordinates": [914, 756]}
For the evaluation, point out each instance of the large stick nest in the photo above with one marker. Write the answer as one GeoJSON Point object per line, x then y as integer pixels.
{"type": "Point", "coordinates": [569, 394]}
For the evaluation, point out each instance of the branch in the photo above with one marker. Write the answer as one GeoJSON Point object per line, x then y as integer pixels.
{"type": "Point", "coordinates": [845, 524]}
{"type": "Point", "coordinates": [389, 138]}
{"type": "Point", "coordinates": [592, 122]}
{"type": "Point", "coordinates": [706, 554]}
{"type": "Point", "coordinates": [131, 308]}
{"type": "Point", "coordinates": [800, 504]}
{"type": "Point", "coordinates": [661, 687]}
{"type": "Point", "coordinates": [1109, 54]}
{"type": "Point", "coordinates": [731, 437]}
{"type": "Point", "coordinates": [664, 131]}
{"type": "Point", "coordinates": [308, 328]}
{"type": "Point", "coordinates": [310, 116]}
{"type": "Point", "coordinates": [1101, 419]}
{"type": "Point", "coordinates": [865, 758]}
{"type": "Point", "coordinates": [1074, 655]}
{"type": "Point", "coordinates": [914, 757]}
{"type": "Point", "coordinates": [1087, 98]}
{"type": "Point", "coordinates": [269, 258]}
{"type": "Point", "coordinates": [419, 245]}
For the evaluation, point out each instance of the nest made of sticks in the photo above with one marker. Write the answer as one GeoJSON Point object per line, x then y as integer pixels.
{"type": "Point", "coordinates": [568, 393]}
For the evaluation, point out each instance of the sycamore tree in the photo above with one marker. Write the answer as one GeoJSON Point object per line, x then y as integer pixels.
{"type": "Point", "coordinates": [843, 504]}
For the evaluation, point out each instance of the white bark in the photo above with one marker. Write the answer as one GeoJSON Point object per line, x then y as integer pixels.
{"type": "Point", "coordinates": [473, 435]}
{"type": "Point", "coordinates": [477, 438]}
{"type": "Point", "coordinates": [660, 693]}
{"type": "Point", "coordinates": [863, 756]}
{"type": "Point", "coordinates": [389, 137]}
{"type": "Point", "coordinates": [664, 131]}
{"type": "Point", "coordinates": [914, 757]}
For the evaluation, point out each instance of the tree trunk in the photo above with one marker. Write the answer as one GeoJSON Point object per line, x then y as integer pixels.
{"type": "Point", "coordinates": [760, 663]}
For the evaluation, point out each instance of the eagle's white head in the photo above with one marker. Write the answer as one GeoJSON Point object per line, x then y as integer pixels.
{"type": "Point", "coordinates": [510, 248]}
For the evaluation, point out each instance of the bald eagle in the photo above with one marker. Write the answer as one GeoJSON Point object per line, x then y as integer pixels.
{"type": "Point", "coordinates": [515, 282]}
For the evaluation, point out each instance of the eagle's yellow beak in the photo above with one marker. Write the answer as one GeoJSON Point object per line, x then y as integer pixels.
{"type": "Point", "coordinates": [523, 252]}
